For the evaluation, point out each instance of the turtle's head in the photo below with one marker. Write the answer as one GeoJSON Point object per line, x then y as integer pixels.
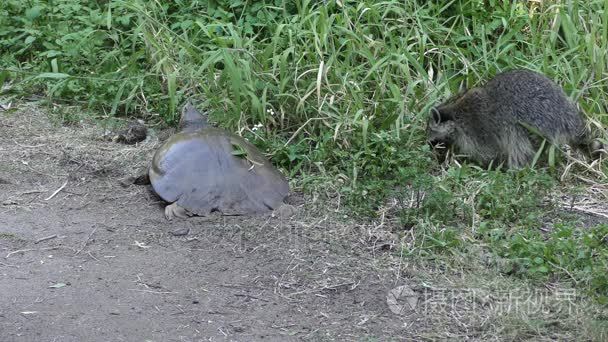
{"type": "Point", "coordinates": [191, 119]}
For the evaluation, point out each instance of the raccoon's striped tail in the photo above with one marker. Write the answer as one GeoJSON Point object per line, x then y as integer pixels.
{"type": "Point", "coordinates": [590, 140]}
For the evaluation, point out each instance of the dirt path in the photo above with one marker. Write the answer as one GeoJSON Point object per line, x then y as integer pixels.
{"type": "Point", "coordinates": [99, 262]}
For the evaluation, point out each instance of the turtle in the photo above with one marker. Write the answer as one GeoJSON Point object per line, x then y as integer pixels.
{"type": "Point", "coordinates": [204, 169]}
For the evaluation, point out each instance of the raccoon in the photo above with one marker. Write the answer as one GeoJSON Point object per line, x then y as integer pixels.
{"type": "Point", "coordinates": [500, 122]}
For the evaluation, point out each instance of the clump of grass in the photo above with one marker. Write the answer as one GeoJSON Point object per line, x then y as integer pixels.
{"type": "Point", "coordinates": [579, 255]}
{"type": "Point", "coordinates": [335, 72]}
{"type": "Point", "coordinates": [506, 212]}
{"type": "Point", "coordinates": [7, 236]}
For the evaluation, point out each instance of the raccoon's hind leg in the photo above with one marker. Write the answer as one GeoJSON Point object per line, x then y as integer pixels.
{"type": "Point", "coordinates": [518, 148]}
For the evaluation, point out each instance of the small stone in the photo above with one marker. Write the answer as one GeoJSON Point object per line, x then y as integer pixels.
{"type": "Point", "coordinates": [141, 179]}
{"type": "Point", "coordinates": [126, 181]}
{"type": "Point", "coordinates": [110, 229]}
{"type": "Point", "coordinates": [9, 202]}
{"type": "Point", "coordinates": [180, 231]}
{"type": "Point", "coordinates": [238, 329]}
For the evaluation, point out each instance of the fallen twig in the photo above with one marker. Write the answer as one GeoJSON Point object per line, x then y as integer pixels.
{"type": "Point", "coordinates": [155, 292]}
{"type": "Point", "coordinates": [32, 192]}
{"type": "Point", "coordinates": [28, 146]}
{"type": "Point", "coordinates": [33, 249]}
{"type": "Point", "coordinates": [57, 191]}
{"type": "Point", "coordinates": [46, 238]}
{"type": "Point", "coordinates": [91, 255]}
{"type": "Point", "coordinates": [352, 285]}
{"type": "Point", "coordinates": [8, 265]}
{"type": "Point", "coordinates": [589, 211]}
{"type": "Point", "coordinates": [19, 251]}
{"type": "Point", "coordinates": [86, 241]}
{"type": "Point", "coordinates": [250, 296]}
{"type": "Point", "coordinates": [140, 245]}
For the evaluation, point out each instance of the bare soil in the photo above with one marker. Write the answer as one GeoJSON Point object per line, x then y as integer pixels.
{"type": "Point", "coordinates": [84, 258]}
{"type": "Point", "coordinates": [114, 269]}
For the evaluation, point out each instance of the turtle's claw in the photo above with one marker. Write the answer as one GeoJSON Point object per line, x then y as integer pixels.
{"type": "Point", "coordinates": [174, 210]}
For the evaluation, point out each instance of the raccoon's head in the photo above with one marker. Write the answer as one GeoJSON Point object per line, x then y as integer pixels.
{"type": "Point", "coordinates": [441, 127]}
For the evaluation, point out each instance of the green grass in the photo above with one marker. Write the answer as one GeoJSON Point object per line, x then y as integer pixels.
{"type": "Point", "coordinates": [7, 236]}
{"type": "Point", "coordinates": [338, 93]}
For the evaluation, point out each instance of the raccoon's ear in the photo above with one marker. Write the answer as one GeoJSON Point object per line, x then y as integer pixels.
{"type": "Point", "coordinates": [439, 117]}
{"type": "Point", "coordinates": [435, 115]}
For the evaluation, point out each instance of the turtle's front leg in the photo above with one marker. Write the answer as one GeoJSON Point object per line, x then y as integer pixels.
{"type": "Point", "coordinates": [174, 210]}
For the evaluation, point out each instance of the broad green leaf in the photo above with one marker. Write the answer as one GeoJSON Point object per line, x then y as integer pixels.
{"type": "Point", "coordinates": [33, 13]}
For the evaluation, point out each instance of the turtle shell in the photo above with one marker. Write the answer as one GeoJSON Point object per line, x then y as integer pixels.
{"type": "Point", "coordinates": [213, 170]}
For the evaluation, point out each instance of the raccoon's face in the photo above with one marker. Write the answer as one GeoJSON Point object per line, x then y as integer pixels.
{"type": "Point", "coordinates": [441, 128]}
